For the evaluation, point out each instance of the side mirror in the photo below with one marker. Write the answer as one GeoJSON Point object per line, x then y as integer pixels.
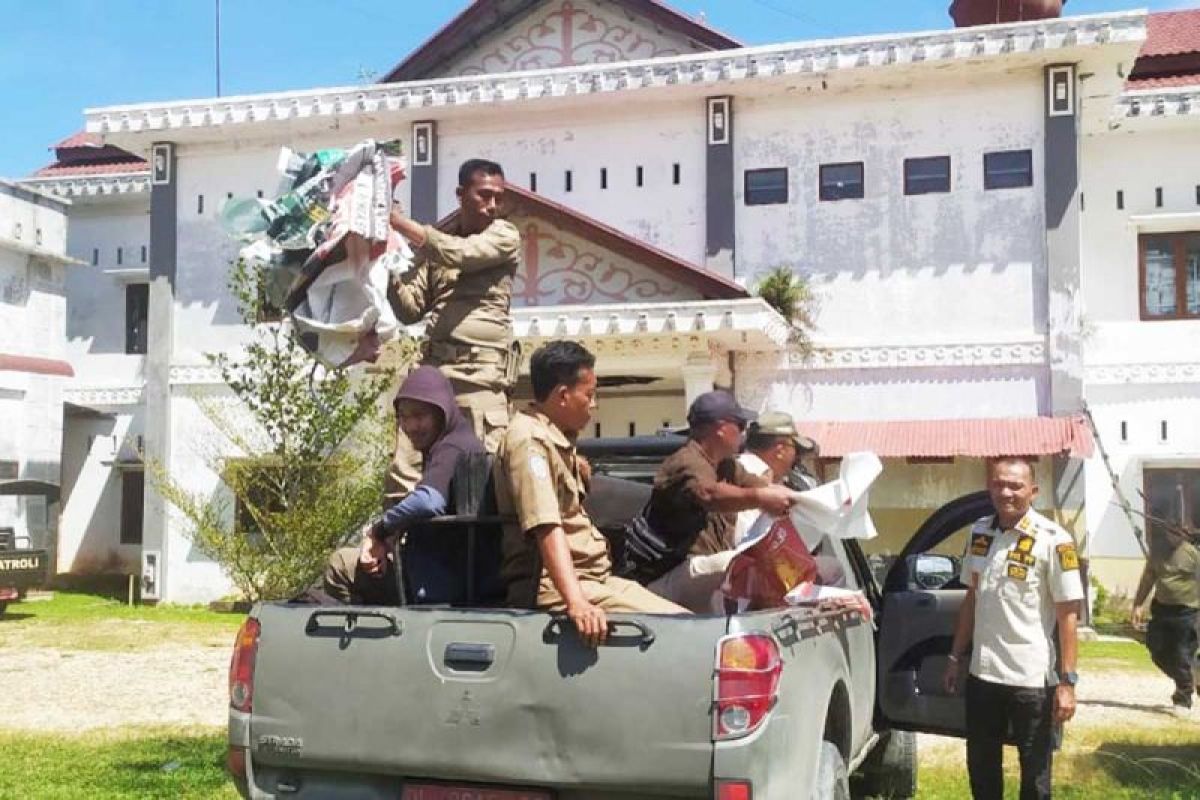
{"type": "Point", "coordinates": [931, 571]}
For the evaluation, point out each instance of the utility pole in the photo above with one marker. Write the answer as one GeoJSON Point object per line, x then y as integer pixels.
{"type": "Point", "coordinates": [218, 26]}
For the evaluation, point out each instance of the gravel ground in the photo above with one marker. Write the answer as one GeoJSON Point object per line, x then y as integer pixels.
{"type": "Point", "coordinates": [55, 690]}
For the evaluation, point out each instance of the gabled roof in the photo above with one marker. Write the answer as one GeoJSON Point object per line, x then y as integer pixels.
{"type": "Point", "coordinates": [709, 284]}
{"type": "Point", "coordinates": [1171, 54]}
{"type": "Point", "coordinates": [84, 153]}
{"type": "Point", "coordinates": [481, 16]}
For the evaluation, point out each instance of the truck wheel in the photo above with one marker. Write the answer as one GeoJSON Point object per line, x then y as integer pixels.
{"type": "Point", "coordinates": [890, 770]}
{"type": "Point", "coordinates": [832, 782]}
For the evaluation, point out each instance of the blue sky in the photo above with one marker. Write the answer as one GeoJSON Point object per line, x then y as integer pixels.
{"type": "Point", "coordinates": [58, 57]}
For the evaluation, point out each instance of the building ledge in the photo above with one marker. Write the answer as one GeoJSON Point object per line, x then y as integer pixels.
{"type": "Point", "coordinates": [1045, 40]}
{"type": "Point", "coordinates": [1166, 223]}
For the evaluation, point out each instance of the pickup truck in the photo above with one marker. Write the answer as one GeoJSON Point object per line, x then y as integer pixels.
{"type": "Point", "coordinates": [22, 567]}
{"type": "Point", "coordinates": [457, 698]}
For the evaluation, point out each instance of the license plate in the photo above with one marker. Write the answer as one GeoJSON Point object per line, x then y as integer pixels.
{"type": "Point", "coordinates": [439, 791]}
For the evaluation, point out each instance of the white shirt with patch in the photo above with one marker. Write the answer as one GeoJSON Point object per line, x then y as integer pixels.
{"type": "Point", "coordinates": [757, 467]}
{"type": "Point", "coordinates": [1023, 572]}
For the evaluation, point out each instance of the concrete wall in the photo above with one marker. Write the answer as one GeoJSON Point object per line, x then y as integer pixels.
{"type": "Point", "coordinates": [1142, 374]}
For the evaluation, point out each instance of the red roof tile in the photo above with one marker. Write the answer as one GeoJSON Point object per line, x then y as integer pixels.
{"type": "Point", "coordinates": [1164, 81]}
{"type": "Point", "coordinates": [108, 168]}
{"type": "Point", "coordinates": [35, 366]}
{"type": "Point", "coordinates": [1170, 33]}
{"type": "Point", "coordinates": [80, 139]}
{"type": "Point", "coordinates": [977, 438]}
{"type": "Point", "coordinates": [711, 285]}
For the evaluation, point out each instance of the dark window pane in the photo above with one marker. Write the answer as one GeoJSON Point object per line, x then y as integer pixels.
{"type": "Point", "coordinates": [1160, 277]}
{"type": "Point", "coordinates": [1191, 273]}
{"type": "Point", "coordinates": [133, 491]}
{"type": "Point", "coordinates": [766, 186]}
{"type": "Point", "coordinates": [1010, 169]}
{"type": "Point", "coordinates": [137, 312]}
{"type": "Point", "coordinates": [841, 181]}
{"type": "Point", "coordinates": [927, 175]}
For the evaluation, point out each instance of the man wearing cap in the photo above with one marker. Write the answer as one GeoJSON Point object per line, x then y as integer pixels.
{"type": "Point", "coordinates": [697, 494]}
{"type": "Point", "coordinates": [773, 451]}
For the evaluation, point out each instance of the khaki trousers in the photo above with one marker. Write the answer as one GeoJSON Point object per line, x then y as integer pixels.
{"type": "Point", "coordinates": [344, 583]}
{"type": "Point", "coordinates": [485, 409]}
{"type": "Point", "coordinates": [614, 594]}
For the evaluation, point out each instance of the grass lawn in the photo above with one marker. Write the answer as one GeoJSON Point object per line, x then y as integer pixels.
{"type": "Point", "coordinates": [78, 621]}
{"type": "Point", "coordinates": [1113, 656]}
{"type": "Point", "coordinates": [162, 763]}
{"type": "Point", "coordinates": [1109, 763]}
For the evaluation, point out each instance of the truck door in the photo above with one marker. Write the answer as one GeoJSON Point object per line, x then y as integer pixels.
{"type": "Point", "coordinates": [921, 599]}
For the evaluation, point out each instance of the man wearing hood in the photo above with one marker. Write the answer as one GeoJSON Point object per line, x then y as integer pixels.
{"type": "Point", "coordinates": [427, 413]}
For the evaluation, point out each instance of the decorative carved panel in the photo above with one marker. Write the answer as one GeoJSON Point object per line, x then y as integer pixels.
{"type": "Point", "coordinates": [570, 33]}
{"type": "Point", "coordinates": [563, 269]}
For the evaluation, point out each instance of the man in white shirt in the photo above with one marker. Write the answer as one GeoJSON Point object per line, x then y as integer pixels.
{"type": "Point", "coordinates": [1022, 577]}
{"type": "Point", "coordinates": [773, 449]}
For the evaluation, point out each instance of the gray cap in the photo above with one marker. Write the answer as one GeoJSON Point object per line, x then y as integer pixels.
{"type": "Point", "coordinates": [779, 423]}
{"type": "Point", "coordinates": [718, 405]}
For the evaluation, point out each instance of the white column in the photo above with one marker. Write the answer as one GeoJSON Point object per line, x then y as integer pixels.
{"type": "Point", "coordinates": [698, 378]}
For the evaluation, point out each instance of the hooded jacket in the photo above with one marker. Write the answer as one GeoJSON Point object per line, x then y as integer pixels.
{"type": "Point", "coordinates": [429, 499]}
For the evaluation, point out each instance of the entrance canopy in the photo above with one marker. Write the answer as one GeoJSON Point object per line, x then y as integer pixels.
{"type": "Point", "coordinates": [942, 438]}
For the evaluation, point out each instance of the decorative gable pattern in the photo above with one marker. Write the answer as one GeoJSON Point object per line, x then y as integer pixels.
{"type": "Point", "coordinates": [499, 36]}
{"type": "Point", "coordinates": [570, 33]}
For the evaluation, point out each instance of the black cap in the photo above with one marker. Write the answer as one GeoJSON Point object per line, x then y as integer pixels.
{"type": "Point", "coordinates": [718, 405]}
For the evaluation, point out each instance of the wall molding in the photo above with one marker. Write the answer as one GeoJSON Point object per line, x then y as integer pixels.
{"type": "Point", "coordinates": [104, 396]}
{"type": "Point", "coordinates": [1142, 373]}
{"type": "Point", "coordinates": [1025, 352]}
{"type": "Point", "coordinates": [718, 68]}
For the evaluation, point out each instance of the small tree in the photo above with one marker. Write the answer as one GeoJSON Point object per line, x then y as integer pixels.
{"type": "Point", "coordinates": [311, 452]}
{"type": "Point", "coordinates": [790, 295]}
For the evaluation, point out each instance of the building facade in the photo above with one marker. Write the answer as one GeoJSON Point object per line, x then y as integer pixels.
{"type": "Point", "coordinates": [33, 362]}
{"type": "Point", "coordinates": [934, 190]}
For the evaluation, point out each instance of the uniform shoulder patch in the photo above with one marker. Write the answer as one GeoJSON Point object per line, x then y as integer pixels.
{"type": "Point", "coordinates": [981, 543]}
{"type": "Point", "coordinates": [1068, 557]}
{"type": "Point", "coordinates": [539, 466]}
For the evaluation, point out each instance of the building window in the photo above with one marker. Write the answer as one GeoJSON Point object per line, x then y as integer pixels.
{"type": "Point", "coordinates": [533, 181]}
{"type": "Point", "coordinates": [95, 256]}
{"type": "Point", "coordinates": [143, 254]}
{"type": "Point", "coordinates": [841, 181]}
{"type": "Point", "coordinates": [1173, 498]}
{"type": "Point", "coordinates": [200, 204]}
{"type": "Point", "coordinates": [568, 180]}
{"type": "Point", "coordinates": [120, 256]}
{"type": "Point", "coordinates": [641, 176]}
{"type": "Point", "coordinates": [766, 186]}
{"type": "Point", "coordinates": [1169, 272]}
{"type": "Point", "coordinates": [676, 173]}
{"type": "Point", "coordinates": [1158, 199]}
{"type": "Point", "coordinates": [927, 175]}
{"type": "Point", "coordinates": [1120, 200]}
{"type": "Point", "coordinates": [604, 177]}
{"type": "Point", "coordinates": [133, 494]}
{"type": "Point", "coordinates": [137, 314]}
{"type": "Point", "coordinates": [1009, 169]}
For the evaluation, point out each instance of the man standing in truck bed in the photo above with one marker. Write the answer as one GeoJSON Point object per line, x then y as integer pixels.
{"type": "Point", "coordinates": [461, 285]}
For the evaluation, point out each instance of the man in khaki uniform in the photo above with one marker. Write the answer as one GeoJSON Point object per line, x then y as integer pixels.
{"type": "Point", "coordinates": [462, 285]}
{"type": "Point", "coordinates": [554, 557]}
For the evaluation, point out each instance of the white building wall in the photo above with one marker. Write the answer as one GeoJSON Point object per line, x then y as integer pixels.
{"type": "Point", "coordinates": [891, 267]}
{"type": "Point", "coordinates": [1142, 374]}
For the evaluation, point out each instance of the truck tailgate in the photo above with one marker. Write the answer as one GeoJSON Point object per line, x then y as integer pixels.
{"type": "Point", "coordinates": [485, 696]}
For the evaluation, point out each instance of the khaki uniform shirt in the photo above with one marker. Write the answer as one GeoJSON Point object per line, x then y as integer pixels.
{"type": "Point", "coordinates": [1023, 572]}
{"type": "Point", "coordinates": [676, 512]}
{"type": "Point", "coordinates": [538, 483]}
{"type": "Point", "coordinates": [1177, 577]}
{"type": "Point", "coordinates": [463, 284]}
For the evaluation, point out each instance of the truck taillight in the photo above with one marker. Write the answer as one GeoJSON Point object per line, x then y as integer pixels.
{"type": "Point", "coordinates": [235, 762]}
{"type": "Point", "coordinates": [241, 667]}
{"type": "Point", "coordinates": [747, 683]}
{"type": "Point", "coordinates": [734, 790]}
